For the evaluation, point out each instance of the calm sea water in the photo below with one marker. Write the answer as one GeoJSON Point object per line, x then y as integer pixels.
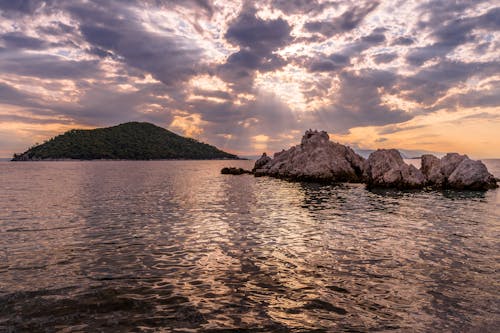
{"type": "Point", "coordinates": [175, 246]}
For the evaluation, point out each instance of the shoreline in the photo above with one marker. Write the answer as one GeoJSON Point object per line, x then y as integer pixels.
{"type": "Point", "coordinates": [114, 160]}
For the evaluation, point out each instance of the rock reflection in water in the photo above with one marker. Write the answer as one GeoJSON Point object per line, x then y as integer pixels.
{"type": "Point", "coordinates": [175, 245]}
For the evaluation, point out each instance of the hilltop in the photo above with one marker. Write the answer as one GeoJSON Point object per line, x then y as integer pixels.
{"type": "Point", "coordinates": [128, 141]}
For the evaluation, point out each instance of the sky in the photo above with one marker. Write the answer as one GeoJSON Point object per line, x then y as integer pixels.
{"type": "Point", "coordinates": [252, 76]}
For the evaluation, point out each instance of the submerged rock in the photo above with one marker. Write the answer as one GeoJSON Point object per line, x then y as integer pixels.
{"type": "Point", "coordinates": [456, 171]}
{"type": "Point", "coordinates": [234, 171]}
{"type": "Point", "coordinates": [315, 159]}
{"type": "Point", "coordinates": [386, 168]}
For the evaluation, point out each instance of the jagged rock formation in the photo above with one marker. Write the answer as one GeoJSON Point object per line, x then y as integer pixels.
{"type": "Point", "coordinates": [319, 159]}
{"type": "Point", "coordinates": [261, 164]}
{"type": "Point", "coordinates": [386, 168]}
{"type": "Point", "coordinates": [431, 168]}
{"type": "Point", "coordinates": [456, 171]}
{"type": "Point", "coordinates": [315, 159]}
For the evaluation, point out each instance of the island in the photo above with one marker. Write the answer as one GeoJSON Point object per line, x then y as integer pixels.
{"type": "Point", "coordinates": [318, 159]}
{"type": "Point", "coordinates": [128, 141]}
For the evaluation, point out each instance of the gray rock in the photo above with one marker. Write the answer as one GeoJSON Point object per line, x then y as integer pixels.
{"type": "Point", "coordinates": [472, 175]}
{"type": "Point", "coordinates": [455, 171]}
{"type": "Point", "coordinates": [262, 163]}
{"type": "Point", "coordinates": [450, 162]}
{"type": "Point", "coordinates": [319, 159]}
{"type": "Point", "coordinates": [431, 168]}
{"type": "Point", "coordinates": [386, 168]}
{"type": "Point", "coordinates": [234, 171]}
{"type": "Point", "coordinates": [315, 159]}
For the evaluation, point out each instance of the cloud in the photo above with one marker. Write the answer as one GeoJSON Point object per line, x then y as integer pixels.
{"type": "Point", "coordinates": [433, 82]}
{"type": "Point", "coordinates": [261, 36]}
{"type": "Point", "coordinates": [402, 40]}
{"type": "Point", "coordinates": [257, 40]}
{"type": "Point", "coordinates": [46, 66]}
{"type": "Point", "coordinates": [114, 29]}
{"type": "Point", "coordinates": [11, 95]}
{"type": "Point", "coordinates": [302, 6]}
{"type": "Point", "coordinates": [24, 7]}
{"type": "Point", "coordinates": [206, 6]}
{"type": "Point", "coordinates": [365, 88]}
{"type": "Point", "coordinates": [390, 129]}
{"type": "Point", "coordinates": [342, 59]}
{"type": "Point", "coordinates": [230, 125]}
{"type": "Point", "coordinates": [331, 63]}
{"type": "Point", "coordinates": [347, 21]}
{"type": "Point", "coordinates": [235, 71]}
{"type": "Point", "coordinates": [19, 41]}
{"type": "Point", "coordinates": [383, 58]}
{"type": "Point", "coordinates": [448, 33]}
{"type": "Point", "coordinates": [472, 98]}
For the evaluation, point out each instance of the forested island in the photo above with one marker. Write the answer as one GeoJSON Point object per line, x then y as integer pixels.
{"type": "Point", "coordinates": [128, 141]}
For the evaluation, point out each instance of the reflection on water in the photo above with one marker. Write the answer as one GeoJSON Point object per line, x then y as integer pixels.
{"type": "Point", "coordinates": [118, 246]}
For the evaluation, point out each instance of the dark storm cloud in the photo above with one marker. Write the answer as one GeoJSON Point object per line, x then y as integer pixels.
{"type": "Point", "coordinates": [22, 6]}
{"type": "Point", "coordinates": [435, 12]}
{"type": "Point", "coordinates": [302, 6]}
{"type": "Point", "coordinates": [266, 115]}
{"type": "Point", "coordinates": [107, 50]}
{"type": "Point", "coordinates": [449, 34]}
{"type": "Point", "coordinates": [260, 36]}
{"type": "Point", "coordinates": [376, 37]}
{"type": "Point", "coordinates": [11, 95]}
{"type": "Point", "coordinates": [57, 29]}
{"type": "Point", "coordinates": [432, 83]}
{"type": "Point", "coordinates": [338, 61]}
{"type": "Point", "coordinates": [206, 6]}
{"type": "Point", "coordinates": [101, 104]}
{"type": "Point", "coordinates": [212, 93]}
{"type": "Point", "coordinates": [331, 63]}
{"type": "Point", "coordinates": [20, 41]}
{"type": "Point", "coordinates": [46, 66]}
{"type": "Point", "coordinates": [403, 41]}
{"type": "Point", "coordinates": [114, 29]}
{"type": "Point", "coordinates": [347, 21]}
{"type": "Point", "coordinates": [473, 98]}
{"type": "Point", "coordinates": [365, 88]}
{"type": "Point", "coordinates": [29, 7]}
{"type": "Point", "coordinates": [257, 39]}
{"type": "Point", "coordinates": [31, 120]}
{"type": "Point", "coordinates": [383, 58]}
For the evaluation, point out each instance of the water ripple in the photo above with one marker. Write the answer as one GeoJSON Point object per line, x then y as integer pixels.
{"type": "Point", "coordinates": [174, 245]}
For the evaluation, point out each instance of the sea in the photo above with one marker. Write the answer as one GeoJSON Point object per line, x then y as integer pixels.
{"type": "Point", "coordinates": [174, 246]}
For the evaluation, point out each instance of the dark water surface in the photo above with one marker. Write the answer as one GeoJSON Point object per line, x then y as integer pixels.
{"type": "Point", "coordinates": [175, 246]}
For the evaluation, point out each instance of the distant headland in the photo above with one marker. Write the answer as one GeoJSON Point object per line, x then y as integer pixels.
{"type": "Point", "coordinates": [128, 141]}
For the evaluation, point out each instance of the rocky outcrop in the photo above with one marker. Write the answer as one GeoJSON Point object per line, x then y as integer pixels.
{"type": "Point", "coordinates": [315, 159]}
{"type": "Point", "coordinates": [450, 162]}
{"type": "Point", "coordinates": [431, 168]}
{"type": "Point", "coordinates": [262, 165]}
{"type": "Point", "coordinates": [319, 159]}
{"type": "Point", "coordinates": [456, 171]}
{"type": "Point", "coordinates": [234, 171]}
{"type": "Point", "coordinates": [386, 168]}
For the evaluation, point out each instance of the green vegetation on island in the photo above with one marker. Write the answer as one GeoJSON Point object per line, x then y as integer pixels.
{"type": "Point", "coordinates": [129, 141]}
